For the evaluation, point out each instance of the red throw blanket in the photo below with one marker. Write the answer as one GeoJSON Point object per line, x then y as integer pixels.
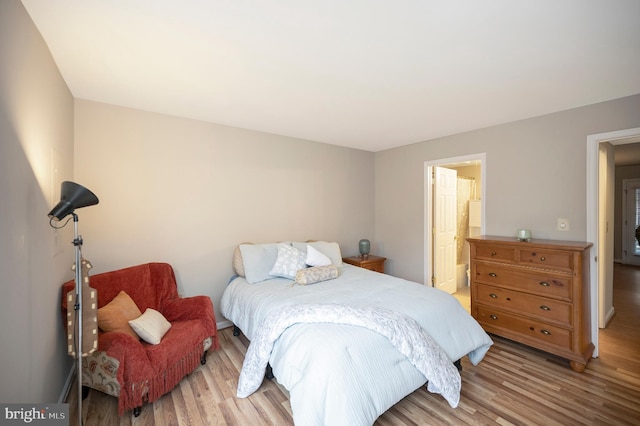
{"type": "Point", "coordinates": [146, 372]}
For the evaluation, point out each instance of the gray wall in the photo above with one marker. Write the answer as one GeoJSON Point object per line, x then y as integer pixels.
{"type": "Point", "coordinates": [535, 174]}
{"type": "Point", "coordinates": [187, 192]}
{"type": "Point", "coordinates": [36, 124]}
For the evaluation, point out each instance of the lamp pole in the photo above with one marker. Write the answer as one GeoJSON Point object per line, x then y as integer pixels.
{"type": "Point", "coordinates": [77, 243]}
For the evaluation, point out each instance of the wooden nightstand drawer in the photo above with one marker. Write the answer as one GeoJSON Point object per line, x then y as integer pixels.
{"type": "Point", "coordinates": [373, 263]}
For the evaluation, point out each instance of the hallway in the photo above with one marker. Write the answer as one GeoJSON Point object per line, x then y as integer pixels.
{"type": "Point", "coordinates": [620, 341]}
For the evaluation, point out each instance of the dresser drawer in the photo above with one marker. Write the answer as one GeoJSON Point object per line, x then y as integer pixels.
{"type": "Point", "coordinates": [537, 282]}
{"type": "Point", "coordinates": [498, 253]}
{"type": "Point", "coordinates": [549, 310]}
{"type": "Point", "coordinates": [547, 259]}
{"type": "Point", "coordinates": [527, 330]}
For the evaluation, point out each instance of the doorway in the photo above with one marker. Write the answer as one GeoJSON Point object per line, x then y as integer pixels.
{"type": "Point", "coordinates": [448, 268]}
{"type": "Point", "coordinates": [601, 269]}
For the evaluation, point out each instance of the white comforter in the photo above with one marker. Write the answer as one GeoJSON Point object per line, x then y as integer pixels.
{"type": "Point", "coordinates": [341, 374]}
{"type": "Point", "coordinates": [404, 334]}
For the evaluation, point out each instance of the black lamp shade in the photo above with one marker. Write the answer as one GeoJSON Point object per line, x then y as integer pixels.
{"type": "Point", "coordinates": [72, 196]}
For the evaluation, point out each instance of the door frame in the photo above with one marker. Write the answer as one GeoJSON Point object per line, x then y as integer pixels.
{"type": "Point", "coordinates": [481, 158]}
{"type": "Point", "coordinates": [598, 287]}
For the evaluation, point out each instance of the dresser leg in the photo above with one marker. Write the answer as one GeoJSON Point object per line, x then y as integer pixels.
{"type": "Point", "coordinates": [577, 366]}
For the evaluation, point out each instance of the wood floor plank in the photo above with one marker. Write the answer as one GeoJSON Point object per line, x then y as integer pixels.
{"type": "Point", "coordinates": [202, 394]}
{"type": "Point", "coordinates": [513, 385]}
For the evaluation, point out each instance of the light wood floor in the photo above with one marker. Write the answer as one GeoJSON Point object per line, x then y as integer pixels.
{"type": "Point", "coordinates": [513, 385]}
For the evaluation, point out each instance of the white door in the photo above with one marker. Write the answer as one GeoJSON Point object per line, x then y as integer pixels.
{"type": "Point", "coordinates": [444, 229]}
{"type": "Point", "coordinates": [630, 221]}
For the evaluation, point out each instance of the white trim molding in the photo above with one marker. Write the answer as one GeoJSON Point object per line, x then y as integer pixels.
{"type": "Point", "coordinates": [593, 144]}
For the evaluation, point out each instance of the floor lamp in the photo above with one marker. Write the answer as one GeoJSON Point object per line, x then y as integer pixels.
{"type": "Point", "coordinates": [74, 196]}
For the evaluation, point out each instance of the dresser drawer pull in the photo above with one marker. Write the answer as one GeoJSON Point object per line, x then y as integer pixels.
{"type": "Point", "coordinates": [545, 332]}
{"type": "Point", "coordinates": [493, 274]}
{"type": "Point", "coordinates": [544, 283]}
{"type": "Point", "coordinates": [493, 253]}
{"type": "Point", "coordinates": [542, 259]}
{"type": "Point", "coordinates": [545, 308]}
{"type": "Point", "coordinates": [493, 317]}
{"type": "Point", "coordinates": [493, 296]}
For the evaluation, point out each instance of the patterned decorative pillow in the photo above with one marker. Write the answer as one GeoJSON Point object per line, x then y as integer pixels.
{"type": "Point", "coordinates": [288, 262]}
{"type": "Point", "coordinates": [316, 274]}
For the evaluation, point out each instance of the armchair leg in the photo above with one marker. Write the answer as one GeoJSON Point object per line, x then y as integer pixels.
{"type": "Point", "coordinates": [203, 358]}
{"type": "Point", "coordinates": [236, 331]}
{"type": "Point", "coordinates": [136, 411]}
{"type": "Point", "coordinates": [85, 392]}
{"type": "Point", "coordinates": [458, 365]}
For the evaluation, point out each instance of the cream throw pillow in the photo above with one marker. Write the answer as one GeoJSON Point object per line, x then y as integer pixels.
{"type": "Point", "coordinates": [150, 326]}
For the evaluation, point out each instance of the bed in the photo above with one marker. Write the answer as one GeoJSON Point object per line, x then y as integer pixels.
{"type": "Point", "coordinates": [346, 342]}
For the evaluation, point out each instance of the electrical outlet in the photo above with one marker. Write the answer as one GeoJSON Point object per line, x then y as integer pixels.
{"type": "Point", "coordinates": [563, 224]}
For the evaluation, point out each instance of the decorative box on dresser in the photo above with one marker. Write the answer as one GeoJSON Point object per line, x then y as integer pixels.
{"type": "Point", "coordinates": [371, 262]}
{"type": "Point", "coordinates": [535, 292]}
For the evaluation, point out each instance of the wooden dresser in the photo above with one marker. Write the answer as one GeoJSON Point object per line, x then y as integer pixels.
{"type": "Point", "coordinates": [535, 292]}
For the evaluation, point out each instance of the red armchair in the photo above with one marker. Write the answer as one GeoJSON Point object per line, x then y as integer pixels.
{"type": "Point", "coordinates": [130, 369]}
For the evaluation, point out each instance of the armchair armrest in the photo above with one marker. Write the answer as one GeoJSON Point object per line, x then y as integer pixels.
{"type": "Point", "coordinates": [190, 308]}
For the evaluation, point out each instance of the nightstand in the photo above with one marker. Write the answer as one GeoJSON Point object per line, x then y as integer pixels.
{"type": "Point", "coordinates": [371, 262]}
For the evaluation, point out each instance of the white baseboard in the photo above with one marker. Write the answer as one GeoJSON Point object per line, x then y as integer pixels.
{"type": "Point", "coordinates": [608, 316]}
{"type": "Point", "coordinates": [224, 324]}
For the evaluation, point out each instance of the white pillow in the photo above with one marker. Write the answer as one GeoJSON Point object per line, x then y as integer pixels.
{"type": "Point", "coordinates": [329, 249]}
{"type": "Point", "coordinates": [258, 259]}
{"type": "Point", "coordinates": [316, 257]}
{"type": "Point", "coordinates": [150, 326]}
{"type": "Point", "coordinates": [288, 262]}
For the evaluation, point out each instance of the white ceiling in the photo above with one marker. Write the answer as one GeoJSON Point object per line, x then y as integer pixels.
{"type": "Point", "coordinates": [367, 74]}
